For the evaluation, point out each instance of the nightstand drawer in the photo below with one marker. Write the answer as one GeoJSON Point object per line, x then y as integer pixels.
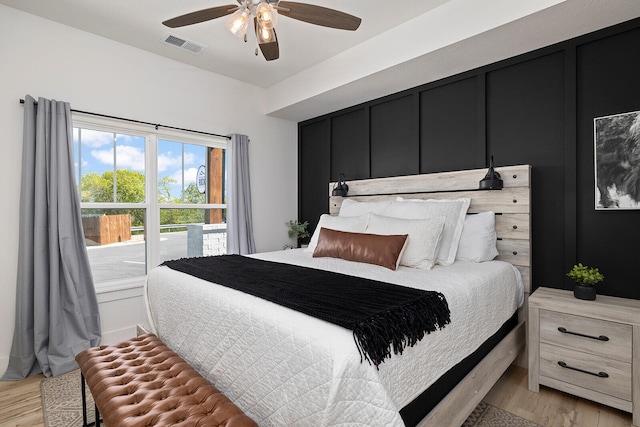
{"type": "Point", "coordinates": [617, 382]}
{"type": "Point", "coordinates": [598, 337]}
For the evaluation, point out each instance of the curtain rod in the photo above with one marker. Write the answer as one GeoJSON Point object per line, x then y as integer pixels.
{"type": "Point", "coordinates": [143, 123]}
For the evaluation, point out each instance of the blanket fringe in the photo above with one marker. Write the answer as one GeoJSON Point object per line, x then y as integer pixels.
{"type": "Point", "coordinates": [400, 327]}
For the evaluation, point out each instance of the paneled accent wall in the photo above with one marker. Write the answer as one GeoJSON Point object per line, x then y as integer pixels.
{"type": "Point", "coordinates": [535, 109]}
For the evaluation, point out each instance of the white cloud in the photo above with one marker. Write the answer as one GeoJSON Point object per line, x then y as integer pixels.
{"type": "Point", "coordinates": [168, 161]}
{"type": "Point", "coordinates": [189, 158]}
{"type": "Point", "coordinates": [177, 177]}
{"type": "Point", "coordinates": [95, 138]}
{"type": "Point", "coordinates": [103, 156]}
{"type": "Point", "coordinates": [127, 157]}
{"type": "Point", "coordinates": [131, 157]}
{"type": "Point", "coordinates": [190, 176]}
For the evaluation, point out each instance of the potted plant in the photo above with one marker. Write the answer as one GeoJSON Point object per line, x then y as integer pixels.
{"type": "Point", "coordinates": [298, 230]}
{"type": "Point", "coordinates": [586, 279]}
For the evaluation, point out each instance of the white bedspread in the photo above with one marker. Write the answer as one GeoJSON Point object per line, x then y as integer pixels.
{"type": "Point", "coordinates": [284, 368]}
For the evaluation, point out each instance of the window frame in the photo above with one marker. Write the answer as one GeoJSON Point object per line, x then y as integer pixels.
{"type": "Point", "coordinates": [151, 206]}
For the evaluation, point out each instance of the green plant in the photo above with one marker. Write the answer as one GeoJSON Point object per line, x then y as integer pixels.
{"type": "Point", "coordinates": [584, 275]}
{"type": "Point", "coordinates": [298, 230]}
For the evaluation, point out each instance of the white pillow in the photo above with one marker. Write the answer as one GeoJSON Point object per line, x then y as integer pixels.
{"type": "Point", "coordinates": [453, 209]}
{"type": "Point", "coordinates": [352, 207]}
{"type": "Point", "coordinates": [478, 239]}
{"type": "Point", "coordinates": [424, 236]}
{"type": "Point", "coordinates": [356, 224]}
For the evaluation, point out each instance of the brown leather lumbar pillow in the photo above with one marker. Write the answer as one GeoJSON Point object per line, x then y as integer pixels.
{"type": "Point", "coordinates": [378, 249]}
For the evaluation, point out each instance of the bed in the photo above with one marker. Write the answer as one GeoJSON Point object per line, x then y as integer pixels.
{"type": "Point", "coordinates": [283, 367]}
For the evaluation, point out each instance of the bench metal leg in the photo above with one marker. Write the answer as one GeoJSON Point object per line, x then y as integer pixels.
{"type": "Point", "coordinates": [84, 401]}
{"type": "Point", "coordinates": [84, 406]}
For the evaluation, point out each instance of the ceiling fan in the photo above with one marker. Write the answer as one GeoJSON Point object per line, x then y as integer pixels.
{"type": "Point", "coordinates": [265, 17]}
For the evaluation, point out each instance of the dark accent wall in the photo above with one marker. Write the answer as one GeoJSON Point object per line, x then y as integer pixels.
{"type": "Point", "coordinates": [314, 166]}
{"type": "Point", "coordinates": [535, 109]}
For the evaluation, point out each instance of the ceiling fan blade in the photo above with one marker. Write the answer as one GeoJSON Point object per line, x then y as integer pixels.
{"type": "Point", "coordinates": [270, 50]}
{"type": "Point", "coordinates": [319, 15]}
{"type": "Point", "coordinates": [200, 16]}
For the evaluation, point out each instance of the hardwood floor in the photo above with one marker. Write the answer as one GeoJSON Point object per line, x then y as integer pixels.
{"type": "Point", "coordinates": [21, 406]}
{"type": "Point", "coordinates": [21, 403]}
{"type": "Point", "coordinates": [550, 408]}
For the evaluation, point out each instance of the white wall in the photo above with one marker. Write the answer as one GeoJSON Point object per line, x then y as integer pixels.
{"type": "Point", "coordinates": [43, 58]}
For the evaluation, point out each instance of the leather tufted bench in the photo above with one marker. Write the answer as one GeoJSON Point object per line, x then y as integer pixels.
{"type": "Point", "coordinates": [141, 382]}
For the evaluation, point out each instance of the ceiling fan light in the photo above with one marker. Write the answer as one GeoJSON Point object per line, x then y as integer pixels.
{"type": "Point", "coordinates": [238, 22]}
{"type": "Point", "coordinates": [265, 35]}
{"type": "Point", "coordinates": [267, 15]}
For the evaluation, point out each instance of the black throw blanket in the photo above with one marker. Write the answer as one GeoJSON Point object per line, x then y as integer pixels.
{"type": "Point", "coordinates": [381, 315]}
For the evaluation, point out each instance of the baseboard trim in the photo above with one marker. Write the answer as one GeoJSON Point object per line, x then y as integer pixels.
{"type": "Point", "coordinates": [4, 364]}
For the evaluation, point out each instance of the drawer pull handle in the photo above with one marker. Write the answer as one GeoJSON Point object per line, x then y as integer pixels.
{"type": "Point", "coordinates": [599, 374]}
{"type": "Point", "coordinates": [600, 338]}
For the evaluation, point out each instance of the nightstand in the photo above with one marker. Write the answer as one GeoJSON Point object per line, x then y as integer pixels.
{"type": "Point", "coordinates": [589, 349]}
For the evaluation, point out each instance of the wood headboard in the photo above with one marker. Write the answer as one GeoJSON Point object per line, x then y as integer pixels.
{"type": "Point", "coordinates": [511, 204]}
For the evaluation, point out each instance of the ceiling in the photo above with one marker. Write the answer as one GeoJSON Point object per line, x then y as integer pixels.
{"type": "Point", "coordinates": [139, 23]}
{"type": "Point", "coordinates": [398, 45]}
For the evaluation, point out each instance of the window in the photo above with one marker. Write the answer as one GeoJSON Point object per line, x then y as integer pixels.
{"type": "Point", "coordinates": [147, 196]}
{"type": "Point", "coordinates": [191, 186]}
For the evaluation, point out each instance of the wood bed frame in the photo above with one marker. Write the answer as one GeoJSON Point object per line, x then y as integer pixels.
{"type": "Point", "coordinates": [513, 227]}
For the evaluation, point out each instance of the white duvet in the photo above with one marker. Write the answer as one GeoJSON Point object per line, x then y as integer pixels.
{"type": "Point", "coordinates": [284, 368]}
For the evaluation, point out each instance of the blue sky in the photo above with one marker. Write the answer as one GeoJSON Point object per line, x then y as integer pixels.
{"type": "Point", "coordinates": [97, 151]}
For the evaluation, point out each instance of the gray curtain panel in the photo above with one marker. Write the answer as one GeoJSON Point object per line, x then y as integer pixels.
{"type": "Point", "coordinates": [239, 220]}
{"type": "Point", "coordinates": [56, 305]}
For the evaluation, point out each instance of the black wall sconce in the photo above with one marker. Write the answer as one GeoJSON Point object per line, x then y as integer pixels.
{"type": "Point", "coordinates": [340, 188]}
{"type": "Point", "coordinates": [492, 180]}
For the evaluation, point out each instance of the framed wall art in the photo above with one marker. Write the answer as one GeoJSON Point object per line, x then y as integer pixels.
{"type": "Point", "coordinates": [617, 161]}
